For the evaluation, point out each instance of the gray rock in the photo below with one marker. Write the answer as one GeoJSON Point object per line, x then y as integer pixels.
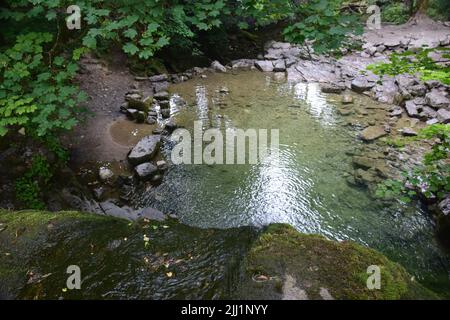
{"type": "Point", "coordinates": [105, 173]}
{"type": "Point", "coordinates": [361, 84]}
{"type": "Point", "coordinates": [279, 66]}
{"type": "Point", "coordinates": [396, 112]}
{"type": "Point", "coordinates": [409, 132]}
{"type": "Point", "coordinates": [264, 65]}
{"type": "Point", "coordinates": [150, 214]}
{"type": "Point", "coordinates": [444, 206]}
{"type": "Point", "coordinates": [406, 80]}
{"type": "Point", "coordinates": [111, 209]}
{"type": "Point", "coordinates": [218, 67]}
{"type": "Point", "coordinates": [373, 132]}
{"type": "Point", "coordinates": [418, 90]}
{"type": "Point", "coordinates": [163, 95]}
{"type": "Point", "coordinates": [427, 113]}
{"type": "Point", "coordinates": [388, 92]}
{"type": "Point", "coordinates": [145, 150]}
{"type": "Point", "coordinates": [160, 86]}
{"type": "Point", "coordinates": [162, 165]}
{"type": "Point", "coordinates": [245, 64]}
{"type": "Point", "coordinates": [145, 171]}
{"type": "Point", "coordinates": [159, 78]}
{"type": "Point", "coordinates": [151, 120]}
{"type": "Point", "coordinates": [347, 99]}
{"type": "Point", "coordinates": [411, 108]}
{"type": "Point", "coordinates": [437, 99]}
{"type": "Point", "coordinates": [443, 116]}
{"type": "Point", "coordinates": [432, 121]}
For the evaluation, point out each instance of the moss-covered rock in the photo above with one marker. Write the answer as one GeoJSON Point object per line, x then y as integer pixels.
{"type": "Point", "coordinates": [177, 261]}
{"type": "Point", "coordinates": [26, 238]}
{"type": "Point", "coordinates": [285, 264]}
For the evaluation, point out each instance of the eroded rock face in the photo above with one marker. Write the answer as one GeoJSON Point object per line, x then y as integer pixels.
{"type": "Point", "coordinates": [145, 150]}
{"type": "Point", "coordinates": [373, 133]}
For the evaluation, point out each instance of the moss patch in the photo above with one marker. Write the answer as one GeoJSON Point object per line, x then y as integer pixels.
{"type": "Point", "coordinates": [316, 263]}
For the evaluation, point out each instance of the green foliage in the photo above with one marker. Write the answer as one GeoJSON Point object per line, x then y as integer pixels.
{"type": "Point", "coordinates": [396, 12]}
{"type": "Point", "coordinates": [439, 9]}
{"type": "Point", "coordinates": [322, 22]}
{"type": "Point", "coordinates": [432, 179]}
{"type": "Point", "coordinates": [36, 91]}
{"type": "Point", "coordinates": [29, 187]}
{"type": "Point", "coordinates": [416, 63]}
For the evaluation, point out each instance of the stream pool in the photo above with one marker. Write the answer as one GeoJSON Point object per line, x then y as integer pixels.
{"type": "Point", "coordinates": [306, 188]}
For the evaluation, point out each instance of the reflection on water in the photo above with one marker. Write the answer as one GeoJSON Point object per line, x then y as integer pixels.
{"type": "Point", "coordinates": [307, 187]}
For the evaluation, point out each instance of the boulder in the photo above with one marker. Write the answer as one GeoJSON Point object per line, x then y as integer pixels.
{"type": "Point", "coordinates": [218, 67]}
{"type": "Point", "coordinates": [437, 99]}
{"type": "Point", "coordinates": [145, 171]}
{"type": "Point", "coordinates": [145, 150]}
{"type": "Point", "coordinates": [264, 65]}
{"type": "Point", "coordinates": [372, 133]}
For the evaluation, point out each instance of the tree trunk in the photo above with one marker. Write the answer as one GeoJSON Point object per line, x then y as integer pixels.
{"type": "Point", "coordinates": [421, 13]}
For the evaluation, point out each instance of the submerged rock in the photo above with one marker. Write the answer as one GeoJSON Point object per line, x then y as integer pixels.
{"type": "Point", "coordinates": [331, 88]}
{"type": "Point", "coordinates": [373, 133]}
{"type": "Point", "coordinates": [145, 150]}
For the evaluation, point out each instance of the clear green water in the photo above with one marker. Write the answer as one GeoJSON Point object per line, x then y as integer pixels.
{"type": "Point", "coordinates": [306, 188]}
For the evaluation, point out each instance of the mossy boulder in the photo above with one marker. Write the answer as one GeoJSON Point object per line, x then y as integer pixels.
{"type": "Point", "coordinates": [285, 264]}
